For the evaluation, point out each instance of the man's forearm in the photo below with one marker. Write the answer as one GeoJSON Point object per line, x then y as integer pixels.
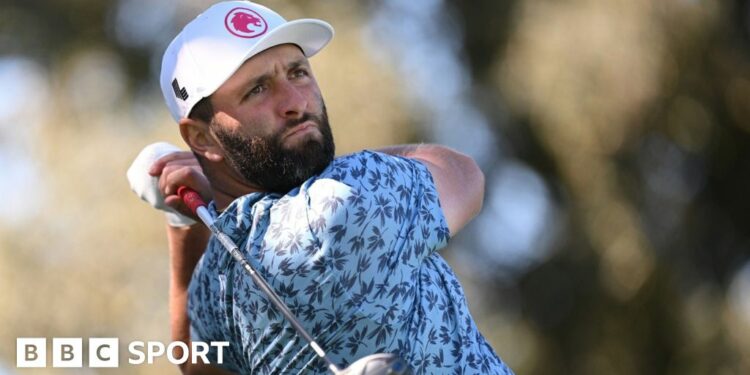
{"type": "Point", "coordinates": [186, 245]}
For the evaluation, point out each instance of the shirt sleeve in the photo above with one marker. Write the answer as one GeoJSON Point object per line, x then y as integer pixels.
{"type": "Point", "coordinates": [379, 211]}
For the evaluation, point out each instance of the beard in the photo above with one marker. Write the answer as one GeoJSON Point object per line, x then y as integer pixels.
{"type": "Point", "coordinates": [265, 162]}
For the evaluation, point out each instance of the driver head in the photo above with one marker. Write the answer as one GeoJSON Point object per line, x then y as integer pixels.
{"type": "Point", "coordinates": [378, 364]}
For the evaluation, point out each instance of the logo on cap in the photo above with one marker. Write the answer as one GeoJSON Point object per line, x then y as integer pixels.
{"type": "Point", "coordinates": [245, 23]}
{"type": "Point", "coordinates": [179, 92]}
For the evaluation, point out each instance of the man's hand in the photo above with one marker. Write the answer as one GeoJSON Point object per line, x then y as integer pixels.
{"type": "Point", "coordinates": [156, 174]}
{"type": "Point", "coordinates": [180, 169]}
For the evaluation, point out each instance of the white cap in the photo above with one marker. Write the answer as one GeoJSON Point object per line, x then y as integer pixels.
{"type": "Point", "coordinates": [213, 46]}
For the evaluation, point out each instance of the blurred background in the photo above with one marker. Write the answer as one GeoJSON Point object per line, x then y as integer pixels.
{"type": "Point", "coordinates": [614, 136]}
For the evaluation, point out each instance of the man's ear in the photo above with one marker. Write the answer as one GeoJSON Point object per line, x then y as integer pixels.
{"type": "Point", "coordinates": [197, 135]}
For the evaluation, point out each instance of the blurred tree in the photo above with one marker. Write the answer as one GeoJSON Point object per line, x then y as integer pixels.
{"type": "Point", "coordinates": [676, 159]}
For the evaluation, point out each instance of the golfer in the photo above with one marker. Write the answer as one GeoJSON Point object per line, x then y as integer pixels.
{"type": "Point", "coordinates": [349, 243]}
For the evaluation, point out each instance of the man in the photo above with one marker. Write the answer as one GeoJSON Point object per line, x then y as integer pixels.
{"type": "Point", "coordinates": [348, 243]}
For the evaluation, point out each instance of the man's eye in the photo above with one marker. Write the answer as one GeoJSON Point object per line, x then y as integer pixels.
{"type": "Point", "coordinates": [256, 90]}
{"type": "Point", "coordinates": [299, 73]}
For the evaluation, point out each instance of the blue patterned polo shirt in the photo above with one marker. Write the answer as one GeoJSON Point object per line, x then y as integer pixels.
{"type": "Point", "coordinates": [352, 252]}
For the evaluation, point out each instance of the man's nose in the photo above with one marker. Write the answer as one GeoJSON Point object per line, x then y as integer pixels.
{"type": "Point", "coordinates": [292, 101]}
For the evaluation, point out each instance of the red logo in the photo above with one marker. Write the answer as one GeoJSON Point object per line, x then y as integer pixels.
{"type": "Point", "coordinates": [245, 23]}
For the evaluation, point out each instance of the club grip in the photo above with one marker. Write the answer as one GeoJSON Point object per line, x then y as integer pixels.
{"type": "Point", "coordinates": [191, 198]}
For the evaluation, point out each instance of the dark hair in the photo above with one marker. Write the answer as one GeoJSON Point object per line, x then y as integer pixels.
{"type": "Point", "coordinates": [203, 110]}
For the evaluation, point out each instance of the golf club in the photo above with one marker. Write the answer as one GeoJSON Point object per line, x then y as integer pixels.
{"type": "Point", "coordinates": [374, 364]}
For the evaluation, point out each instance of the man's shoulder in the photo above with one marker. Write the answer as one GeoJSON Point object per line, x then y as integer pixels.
{"type": "Point", "coordinates": [366, 164]}
{"type": "Point", "coordinates": [360, 179]}
{"type": "Point", "coordinates": [356, 159]}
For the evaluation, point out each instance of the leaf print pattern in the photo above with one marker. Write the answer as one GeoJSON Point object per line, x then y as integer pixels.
{"type": "Point", "coordinates": [353, 253]}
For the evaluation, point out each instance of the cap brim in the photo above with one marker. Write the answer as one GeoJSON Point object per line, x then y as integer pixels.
{"type": "Point", "coordinates": [310, 35]}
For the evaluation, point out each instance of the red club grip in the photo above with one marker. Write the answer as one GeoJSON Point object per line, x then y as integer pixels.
{"type": "Point", "coordinates": [191, 198]}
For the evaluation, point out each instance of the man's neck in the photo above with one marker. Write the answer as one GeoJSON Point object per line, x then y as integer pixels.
{"type": "Point", "coordinates": [227, 185]}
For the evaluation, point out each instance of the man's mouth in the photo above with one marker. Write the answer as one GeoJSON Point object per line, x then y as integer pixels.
{"type": "Point", "coordinates": [300, 129]}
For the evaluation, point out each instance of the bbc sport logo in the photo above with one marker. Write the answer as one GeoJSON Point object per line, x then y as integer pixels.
{"type": "Point", "coordinates": [31, 352]}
